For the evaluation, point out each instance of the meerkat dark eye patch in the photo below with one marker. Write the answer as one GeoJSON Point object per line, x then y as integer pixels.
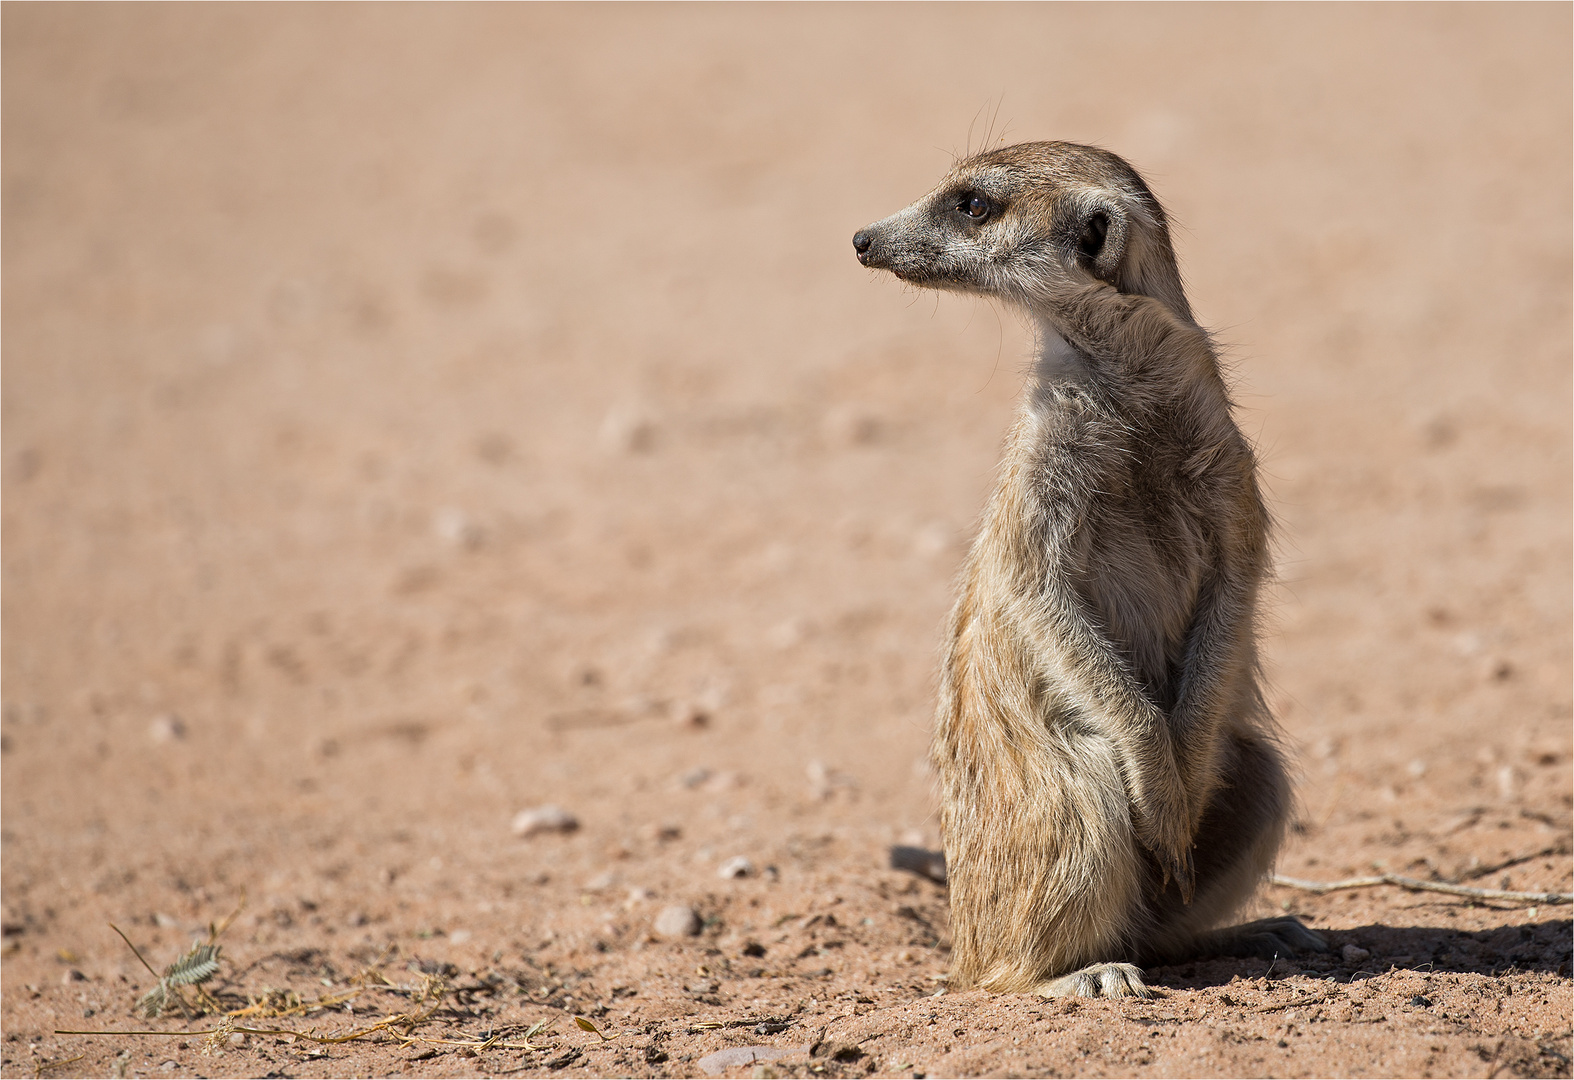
{"type": "Point", "coordinates": [1094, 230]}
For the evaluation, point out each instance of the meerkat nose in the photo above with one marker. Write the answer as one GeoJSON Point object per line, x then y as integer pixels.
{"type": "Point", "coordinates": [861, 242]}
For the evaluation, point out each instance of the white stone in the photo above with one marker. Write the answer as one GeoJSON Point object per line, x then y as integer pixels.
{"type": "Point", "coordinates": [628, 429]}
{"type": "Point", "coordinates": [677, 921]}
{"type": "Point", "coordinates": [166, 729]}
{"type": "Point", "coordinates": [542, 819]}
{"type": "Point", "coordinates": [736, 867]}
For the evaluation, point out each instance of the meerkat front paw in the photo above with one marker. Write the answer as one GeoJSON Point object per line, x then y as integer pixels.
{"type": "Point", "coordinates": [1098, 980]}
{"type": "Point", "coordinates": [1178, 866]}
{"type": "Point", "coordinates": [1173, 854]}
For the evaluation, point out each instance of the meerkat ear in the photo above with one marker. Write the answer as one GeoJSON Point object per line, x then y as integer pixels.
{"type": "Point", "coordinates": [1100, 237]}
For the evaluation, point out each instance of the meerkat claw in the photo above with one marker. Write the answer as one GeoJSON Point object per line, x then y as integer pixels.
{"type": "Point", "coordinates": [1177, 867]}
{"type": "Point", "coordinates": [1185, 877]}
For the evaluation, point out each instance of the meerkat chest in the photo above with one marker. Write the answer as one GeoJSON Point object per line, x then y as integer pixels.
{"type": "Point", "coordinates": [1101, 511]}
{"type": "Point", "coordinates": [1056, 364]}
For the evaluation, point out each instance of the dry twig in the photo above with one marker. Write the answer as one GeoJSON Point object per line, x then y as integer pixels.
{"type": "Point", "coordinates": [1417, 885]}
{"type": "Point", "coordinates": [56, 1063]}
{"type": "Point", "coordinates": [276, 1003]}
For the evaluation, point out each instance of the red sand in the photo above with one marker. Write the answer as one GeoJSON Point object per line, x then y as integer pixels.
{"type": "Point", "coordinates": [417, 414]}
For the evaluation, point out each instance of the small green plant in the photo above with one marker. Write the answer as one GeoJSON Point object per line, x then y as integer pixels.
{"type": "Point", "coordinates": [200, 964]}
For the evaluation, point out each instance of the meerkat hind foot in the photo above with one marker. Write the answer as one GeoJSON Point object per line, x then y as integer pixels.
{"type": "Point", "coordinates": [1098, 980]}
{"type": "Point", "coordinates": [1265, 938]}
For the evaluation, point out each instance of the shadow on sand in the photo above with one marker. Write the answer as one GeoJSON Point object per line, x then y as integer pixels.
{"type": "Point", "coordinates": [1544, 946]}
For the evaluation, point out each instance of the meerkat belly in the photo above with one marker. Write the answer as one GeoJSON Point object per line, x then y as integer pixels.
{"type": "Point", "coordinates": [1027, 776]}
{"type": "Point", "coordinates": [1045, 871]}
{"type": "Point", "coordinates": [1007, 729]}
{"type": "Point", "coordinates": [1033, 756]}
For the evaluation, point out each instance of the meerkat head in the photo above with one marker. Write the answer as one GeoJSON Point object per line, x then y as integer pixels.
{"type": "Point", "coordinates": [1012, 222]}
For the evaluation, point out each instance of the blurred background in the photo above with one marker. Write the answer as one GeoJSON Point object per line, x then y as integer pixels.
{"type": "Point", "coordinates": [415, 413]}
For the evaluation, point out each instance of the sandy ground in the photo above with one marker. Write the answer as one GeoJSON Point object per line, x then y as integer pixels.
{"type": "Point", "coordinates": [414, 415]}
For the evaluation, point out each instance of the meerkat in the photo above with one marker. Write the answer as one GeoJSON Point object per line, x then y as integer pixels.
{"type": "Point", "coordinates": [1111, 789]}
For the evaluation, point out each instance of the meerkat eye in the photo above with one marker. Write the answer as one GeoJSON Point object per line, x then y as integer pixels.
{"type": "Point", "coordinates": [976, 207]}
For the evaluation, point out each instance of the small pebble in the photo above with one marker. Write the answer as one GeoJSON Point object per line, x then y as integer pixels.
{"type": "Point", "coordinates": [628, 429]}
{"type": "Point", "coordinates": [852, 426]}
{"type": "Point", "coordinates": [690, 716]}
{"type": "Point", "coordinates": [167, 729]}
{"type": "Point", "coordinates": [456, 527]}
{"type": "Point", "coordinates": [543, 819]}
{"type": "Point", "coordinates": [677, 921]}
{"type": "Point", "coordinates": [1354, 954]}
{"type": "Point", "coordinates": [723, 781]}
{"type": "Point", "coordinates": [736, 867]}
{"type": "Point", "coordinates": [787, 634]}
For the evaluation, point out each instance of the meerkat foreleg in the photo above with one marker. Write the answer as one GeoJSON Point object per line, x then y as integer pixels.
{"type": "Point", "coordinates": [1083, 666]}
{"type": "Point", "coordinates": [1220, 652]}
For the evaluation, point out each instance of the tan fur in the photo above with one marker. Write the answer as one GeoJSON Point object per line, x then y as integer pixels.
{"type": "Point", "coordinates": [1110, 787]}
